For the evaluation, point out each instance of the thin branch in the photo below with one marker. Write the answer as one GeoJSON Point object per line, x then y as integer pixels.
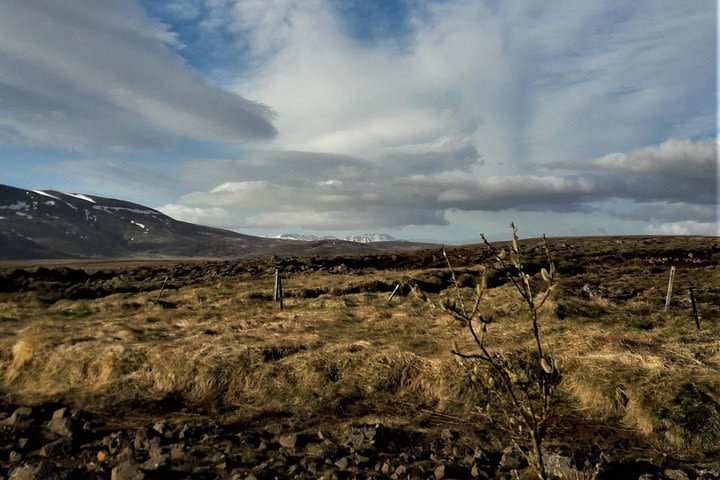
{"type": "Point", "coordinates": [455, 284]}
{"type": "Point", "coordinates": [469, 355]}
{"type": "Point", "coordinates": [545, 297]}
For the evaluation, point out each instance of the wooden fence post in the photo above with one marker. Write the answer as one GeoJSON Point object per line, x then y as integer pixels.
{"type": "Point", "coordinates": [670, 286]}
{"type": "Point", "coordinates": [277, 285]}
{"type": "Point", "coordinates": [278, 295]}
{"type": "Point", "coordinates": [162, 289]}
{"type": "Point", "coordinates": [694, 307]}
{"type": "Point", "coordinates": [393, 293]}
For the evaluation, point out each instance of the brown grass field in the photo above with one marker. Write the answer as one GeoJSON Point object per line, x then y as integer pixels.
{"type": "Point", "coordinates": [640, 385]}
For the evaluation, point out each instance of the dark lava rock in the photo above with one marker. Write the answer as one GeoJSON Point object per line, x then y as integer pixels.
{"type": "Point", "coordinates": [452, 470]}
{"type": "Point", "coordinates": [42, 471]}
{"type": "Point", "coordinates": [708, 474]}
{"type": "Point", "coordinates": [61, 413]}
{"type": "Point", "coordinates": [673, 474]}
{"type": "Point", "coordinates": [512, 459]}
{"type": "Point", "coordinates": [342, 464]}
{"type": "Point", "coordinates": [23, 411]}
{"type": "Point", "coordinates": [177, 451]}
{"type": "Point", "coordinates": [374, 436]}
{"type": "Point", "coordinates": [127, 470]}
{"type": "Point", "coordinates": [477, 472]}
{"type": "Point", "coordinates": [399, 472]}
{"type": "Point", "coordinates": [58, 449]}
{"type": "Point", "coordinates": [21, 419]}
{"type": "Point", "coordinates": [116, 442]}
{"type": "Point", "coordinates": [560, 466]}
{"type": "Point", "coordinates": [448, 436]}
{"type": "Point", "coordinates": [62, 427]}
{"type": "Point", "coordinates": [186, 432]}
{"type": "Point", "coordinates": [155, 462]}
{"type": "Point", "coordinates": [288, 441]}
{"type": "Point", "coordinates": [143, 436]}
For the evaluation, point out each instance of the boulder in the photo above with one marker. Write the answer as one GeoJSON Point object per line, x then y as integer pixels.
{"type": "Point", "coordinates": [61, 413]}
{"type": "Point", "coordinates": [288, 441]}
{"type": "Point", "coordinates": [127, 470]}
{"type": "Point", "coordinates": [61, 426]}
{"type": "Point", "coordinates": [60, 448]}
{"type": "Point", "coordinates": [42, 471]}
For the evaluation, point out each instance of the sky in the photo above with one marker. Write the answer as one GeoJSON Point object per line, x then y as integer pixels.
{"type": "Point", "coordinates": [426, 120]}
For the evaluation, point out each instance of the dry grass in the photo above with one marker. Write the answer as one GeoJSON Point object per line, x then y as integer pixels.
{"type": "Point", "coordinates": [225, 345]}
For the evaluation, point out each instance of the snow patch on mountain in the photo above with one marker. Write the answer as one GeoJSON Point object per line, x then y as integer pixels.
{"type": "Point", "coordinates": [363, 238]}
{"type": "Point", "coordinates": [303, 238]}
{"type": "Point", "coordinates": [370, 238]}
{"type": "Point", "coordinates": [80, 196]}
{"type": "Point", "coordinates": [16, 206]}
{"type": "Point", "coordinates": [45, 194]}
{"type": "Point", "coordinates": [112, 210]}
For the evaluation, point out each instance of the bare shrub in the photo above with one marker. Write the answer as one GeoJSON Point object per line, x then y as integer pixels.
{"type": "Point", "coordinates": [521, 384]}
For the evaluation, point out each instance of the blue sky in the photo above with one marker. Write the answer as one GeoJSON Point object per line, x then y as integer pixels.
{"type": "Point", "coordinates": [428, 120]}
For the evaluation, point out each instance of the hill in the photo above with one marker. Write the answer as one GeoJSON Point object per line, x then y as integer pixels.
{"type": "Point", "coordinates": [37, 224]}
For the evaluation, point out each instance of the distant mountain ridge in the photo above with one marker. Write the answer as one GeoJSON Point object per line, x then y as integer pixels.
{"type": "Point", "coordinates": [299, 237]}
{"type": "Point", "coordinates": [363, 238]}
{"type": "Point", "coordinates": [53, 224]}
{"type": "Point", "coordinates": [37, 224]}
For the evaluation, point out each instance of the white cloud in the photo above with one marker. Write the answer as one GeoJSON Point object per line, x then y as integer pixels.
{"type": "Point", "coordinates": [688, 227]}
{"type": "Point", "coordinates": [360, 219]}
{"type": "Point", "coordinates": [86, 74]}
{"type": "Point", "coordinates": [675, 171]}
{"type": "Point", "coordinates": [688, 159]}
{"type": "Point", "coordinates": [205, 216]}
{"type": "Point", "coordinates": [339, 192]}
{"type": "Point", "coordinates": [470, 111]}
{"type": "Point", "coordinates": [529, 84]}
{"type": "Point", "coordinates": [563, 107]}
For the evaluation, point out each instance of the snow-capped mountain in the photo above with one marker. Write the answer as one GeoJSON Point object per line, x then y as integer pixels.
{"type": "Point", "coordinates": [50, 224]}
{"type": "Point", "coordinates": [303, 238]}
{"type": "Point", "coordinates": [363, 238]}
{"type": "Point", "coordinates": [371, 238]}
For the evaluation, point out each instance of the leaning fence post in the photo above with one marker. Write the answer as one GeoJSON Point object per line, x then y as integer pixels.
{"type": "Point", "coordinates": [393, 293]}
{"type": "Point", "coordinates": [670, 286]}
{"type": "Point", "coordinates": [162, 289]}
{"type": "Point", "coordinates": [694, 307]}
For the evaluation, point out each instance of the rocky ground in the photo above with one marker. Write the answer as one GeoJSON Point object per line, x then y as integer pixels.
{"type": "Point", "coordinates": [56, 442]}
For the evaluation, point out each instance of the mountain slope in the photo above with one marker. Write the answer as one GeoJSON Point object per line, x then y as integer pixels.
{"type": "Point", "coordinates": [52, 224]}
{"type": "Point", "coordinates": [37, 224]}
